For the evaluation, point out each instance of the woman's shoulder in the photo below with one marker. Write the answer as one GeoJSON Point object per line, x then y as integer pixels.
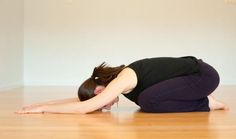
{"type": "Point", "coordinates": [129, 77]}
{"type": "Point", "coordinates": [127, 72]}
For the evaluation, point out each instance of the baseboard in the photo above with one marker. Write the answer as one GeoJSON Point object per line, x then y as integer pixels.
{"type": "Point", "coordinates": [11, 86]}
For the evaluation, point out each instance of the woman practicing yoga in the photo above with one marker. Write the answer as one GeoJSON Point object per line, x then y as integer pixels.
{"type": "Point", "coordinates": [157, 85]}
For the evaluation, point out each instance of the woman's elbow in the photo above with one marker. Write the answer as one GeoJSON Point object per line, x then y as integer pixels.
{"type": "Point", "coordinates": [80, 112]}
{"type": "Point", "coordinates": [83, 111]}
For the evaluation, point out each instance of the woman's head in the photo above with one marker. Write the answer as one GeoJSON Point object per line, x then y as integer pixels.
{"type": "Point", "coordinates": [102, 76]}
{"type": "Point", "coordinates": [86, 90]}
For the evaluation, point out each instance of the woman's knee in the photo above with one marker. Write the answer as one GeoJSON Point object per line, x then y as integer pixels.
{"type": "Point", "coordinates": [148, 106]}
{"type": "Point", "coordinates": [147, 102]}
{"type": "Point", "coordinates": [144, 102]}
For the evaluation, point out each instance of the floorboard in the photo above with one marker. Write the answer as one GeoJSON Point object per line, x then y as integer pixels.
{"type": "Point", "coordinates": [124, 121]}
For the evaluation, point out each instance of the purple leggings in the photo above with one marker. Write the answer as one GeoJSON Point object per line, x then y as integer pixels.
{"type": "Point", "coordinates": [181, 94]}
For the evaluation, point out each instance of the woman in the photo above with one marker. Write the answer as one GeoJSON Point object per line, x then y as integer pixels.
{"type": "Point", "coordinates": [157, 85]}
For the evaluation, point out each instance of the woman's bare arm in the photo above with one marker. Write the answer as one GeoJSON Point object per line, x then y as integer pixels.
{"type": "Point", "coordinates": [125, 81]}
{"type": "Point", "coordinates": [59, 101]}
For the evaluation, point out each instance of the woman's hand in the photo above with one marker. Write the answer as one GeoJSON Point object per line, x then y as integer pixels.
{"type": "Point", "coordinates": [30, 110]}
{"type": "Point", "coordinates": [108, 106]}
{"type": "Point", "coordinates": [41, 107]}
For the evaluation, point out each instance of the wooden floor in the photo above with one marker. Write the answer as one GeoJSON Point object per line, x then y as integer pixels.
{"type": "Point", "coordinates": [124, 122]}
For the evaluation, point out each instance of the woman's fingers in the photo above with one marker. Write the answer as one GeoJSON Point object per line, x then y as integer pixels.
{"type": "Point", "coordinates": [20, 111]}
{"type": "Point", "coordinates": [28, 110]}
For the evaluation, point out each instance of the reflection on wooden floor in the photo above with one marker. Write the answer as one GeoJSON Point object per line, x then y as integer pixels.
{"type": "Point", "coordinates": [124, 122]}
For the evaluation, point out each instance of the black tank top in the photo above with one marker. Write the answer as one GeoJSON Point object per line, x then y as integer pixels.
{"type": "Point", "coordinates": [150, 71]}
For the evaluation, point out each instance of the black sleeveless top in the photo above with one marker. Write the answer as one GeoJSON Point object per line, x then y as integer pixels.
{"type": "Point", "coordinates": [150, 71]}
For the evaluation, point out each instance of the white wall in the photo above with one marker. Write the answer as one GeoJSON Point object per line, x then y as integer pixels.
{"type": "Point", "coordinates": [11, 43]}
{"type": "Point", "coordinates": [65, 39]}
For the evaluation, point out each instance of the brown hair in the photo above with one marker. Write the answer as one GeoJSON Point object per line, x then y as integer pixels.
{"type": "Point", "coordinates": [102, 75]}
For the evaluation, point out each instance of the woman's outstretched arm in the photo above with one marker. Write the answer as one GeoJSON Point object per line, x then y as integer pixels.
{"type": "Point", "coordinates": [124, 82]}
{"type": "Point", "coordinates": [59, 101]}
{"type": "Point", "coordinates": [37, 107]}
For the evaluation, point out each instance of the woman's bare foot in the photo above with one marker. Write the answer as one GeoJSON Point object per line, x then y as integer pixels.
{"type": "Point", "coordinates": [216, 105]}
